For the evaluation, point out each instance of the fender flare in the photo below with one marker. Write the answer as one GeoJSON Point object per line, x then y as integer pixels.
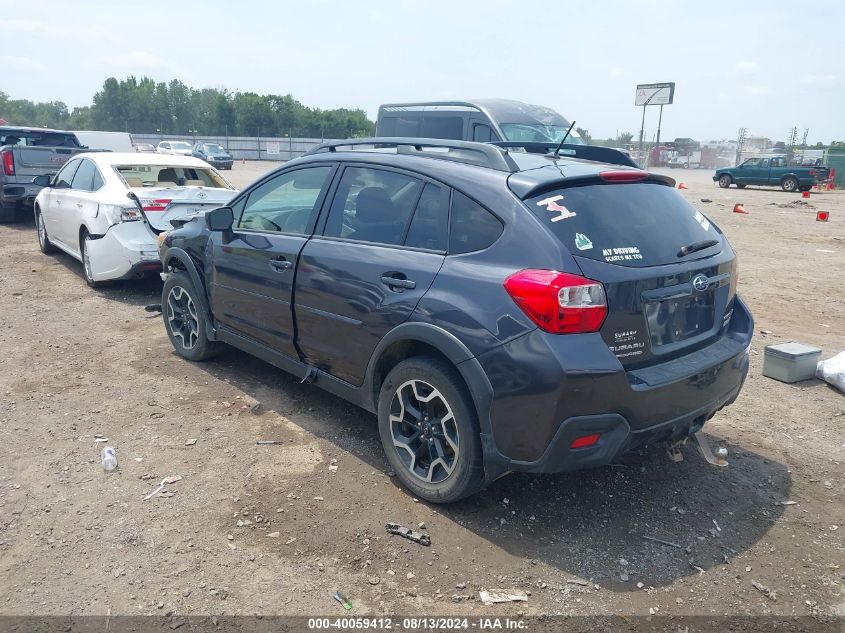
{"type": "Point", "coordinates": [178, 254]}
{"type": "Point", "coordinates": [473, 374]}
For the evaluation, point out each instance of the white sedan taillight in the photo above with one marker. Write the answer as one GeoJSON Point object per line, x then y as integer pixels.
{"type": "Point", "coordinates": [116, 213]}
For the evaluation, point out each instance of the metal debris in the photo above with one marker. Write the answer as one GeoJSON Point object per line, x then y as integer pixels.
{"type": "Point", "coordinates": [662, 542]}
{"type": "Point", "coordinates": [408, 533]}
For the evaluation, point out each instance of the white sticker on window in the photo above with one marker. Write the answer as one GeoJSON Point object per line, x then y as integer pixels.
{"type": "Point", "coordinates": [702, 221]}
{"type": "Point", "coordinates": [583, 242]}
{"type": "Point", "coordinates": [553, 207]}
{"type": "Point", "coordinates": [621, 254]}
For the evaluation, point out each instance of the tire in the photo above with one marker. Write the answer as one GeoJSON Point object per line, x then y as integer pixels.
{"type": "Point", "coordinates": [44, 242]}
{"type": "Point", "coordinates": [86, 262]}
{"type": "Point", "coordinates": [184, 320]}
{"type": "Point", "coordinates": [725, 181]}
{"type": "Point", "coordinates": [686, 165]}
{"type": "Point", "coordinates": [789, 184]}
{"type": "Point", "coordinates": [424, 405]}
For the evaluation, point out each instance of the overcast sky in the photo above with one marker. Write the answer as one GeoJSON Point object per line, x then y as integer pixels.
{"type": "Point", "coordinates": [766, 65]}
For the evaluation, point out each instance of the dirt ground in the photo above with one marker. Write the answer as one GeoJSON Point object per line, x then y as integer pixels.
{"type": "Point", "coordinates": [277, 529]}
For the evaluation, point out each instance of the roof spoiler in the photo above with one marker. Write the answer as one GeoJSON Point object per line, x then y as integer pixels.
{"type": "Point", "coordinates": [482, 154]}
{"type": "Point", "coordinates": [595, 153]}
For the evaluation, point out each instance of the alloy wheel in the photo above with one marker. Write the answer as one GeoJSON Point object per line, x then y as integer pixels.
{"type": "Point", "coordinates": [42, 232]}
{"type": "Point", "coordinates": [182, 317]}
{"type": "Point", "coordinates": [424, 431]}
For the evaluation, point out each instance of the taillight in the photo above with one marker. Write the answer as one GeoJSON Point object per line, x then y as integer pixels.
{"type": "Point", "coordinates": [8, 163]}
{"type": "Point", "coordinates": [157, 205]}
{"type": "Point", "coordinates": [812, 172]}
{"type": "Point", "coordinates": [560, 303]}
{"type": "Point", "coordinates": [623, 175]}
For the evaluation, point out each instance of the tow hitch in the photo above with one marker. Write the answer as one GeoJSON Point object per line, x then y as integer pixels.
{"type": "Point", "coordinates": [719, 459]}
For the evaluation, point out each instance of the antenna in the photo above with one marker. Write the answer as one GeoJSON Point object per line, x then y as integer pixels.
{"type": "Point", "coordinates": [565, 136]}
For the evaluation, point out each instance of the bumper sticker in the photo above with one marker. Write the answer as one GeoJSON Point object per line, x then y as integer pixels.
{"type": "Point", "coordinates": [582, 242]}
{"type": "Point", "coordinates": [553, 207]}
{"type": "Point", "coordinates": [621, 253]}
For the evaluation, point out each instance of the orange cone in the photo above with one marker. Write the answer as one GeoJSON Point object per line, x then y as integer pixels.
{"type": "Point", "coordinates": [805, 194]}
{"type": "Point", "coordinates": [738, 208]}
{"type": "Point", "coordinates": [822, 216]}
{"type": "Point", "coordinates": [682, 186]}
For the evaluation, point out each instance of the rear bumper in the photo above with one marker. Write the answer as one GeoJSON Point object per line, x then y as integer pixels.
{"type": "Point", "coordinates": [549, 390]}
{"type": "Point", "coordinates": [127, 250]}
{"type": "Point", "coordinates": [221, 164]}
{"type": "Point", "coordinates": [18, 196]}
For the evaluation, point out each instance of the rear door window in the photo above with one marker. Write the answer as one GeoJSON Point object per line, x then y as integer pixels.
{"type": "Point", "coordinates": [83, 180]}
{"type": "Point", "coordinates": [632, 224]}
{"type": "Point", "coordinates": [373, 205]}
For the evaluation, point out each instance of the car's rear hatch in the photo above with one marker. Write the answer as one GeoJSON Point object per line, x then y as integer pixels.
{"type": "Point", "coordinates": [633, 237]}
{"type": "Point", "coordinates": [163, 204]}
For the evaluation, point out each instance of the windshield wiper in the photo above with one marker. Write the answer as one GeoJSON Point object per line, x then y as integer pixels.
{"type": "Point", "coordinates": [696, 246]}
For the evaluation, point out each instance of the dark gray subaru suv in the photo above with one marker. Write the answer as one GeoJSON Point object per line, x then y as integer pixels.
{"type": "Point", "coordinates": [499, 310]}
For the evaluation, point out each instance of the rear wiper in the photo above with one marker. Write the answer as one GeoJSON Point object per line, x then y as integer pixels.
{"type": "Point", "coordinates": [696, 246]}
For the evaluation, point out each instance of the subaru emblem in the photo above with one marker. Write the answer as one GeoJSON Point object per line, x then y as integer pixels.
{"type": "Point", "coordinates": [700, 283]}
{"type": "Point", "coordinates": [201, 195]}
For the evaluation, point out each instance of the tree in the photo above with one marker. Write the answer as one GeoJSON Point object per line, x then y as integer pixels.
{"type": "Point", "coordinates": [144, 106]}
{"type": "Point", "coordinates": [584, 134]}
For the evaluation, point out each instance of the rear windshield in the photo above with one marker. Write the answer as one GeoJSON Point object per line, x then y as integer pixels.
{"type": "Point", "coordinates": [633, 224]}
{"type": "Point", "coordinates": [37, 139]}
{"type": "Point", "coordinates": [169, 176]}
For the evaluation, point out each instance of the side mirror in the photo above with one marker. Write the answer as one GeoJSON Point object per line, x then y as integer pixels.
{"type": "Point", "coordinates": [220, 219]}
{"type": "Point", "coordinates": [43, 180]}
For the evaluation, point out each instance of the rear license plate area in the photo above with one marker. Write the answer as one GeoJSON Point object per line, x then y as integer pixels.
{"type": "Point", "coordinates": [675, 320]}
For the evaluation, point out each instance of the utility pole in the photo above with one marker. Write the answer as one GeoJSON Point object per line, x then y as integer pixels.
{"type": "Point", "coordinates": [659, 121]}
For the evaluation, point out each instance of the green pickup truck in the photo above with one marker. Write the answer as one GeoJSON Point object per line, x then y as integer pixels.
{"type": "Point", "coordinates": [772, 172]}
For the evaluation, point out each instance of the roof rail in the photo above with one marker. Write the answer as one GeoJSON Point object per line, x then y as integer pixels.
{"type": "Point", "coordinates": [481, 154]}
{"type": "Point", "coordinates": [595, 153]}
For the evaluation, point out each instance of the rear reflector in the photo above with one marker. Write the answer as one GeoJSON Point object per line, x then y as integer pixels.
{"type": "Point", "coordinates": [560, 303]}
{"type": "Point", "coordinates": [623, 175]}
{"type": "Point", "coordinates": [8, 163]}
{"type": "Point", "coordinates": [157, 205]}
{"type": "Point", "coordinates": [585, 441]}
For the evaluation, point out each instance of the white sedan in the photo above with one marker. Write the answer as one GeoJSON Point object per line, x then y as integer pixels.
{"type": "Point", "coordinates": [106, 209]}
{"type": "Point", "coordinates": [178, 148]}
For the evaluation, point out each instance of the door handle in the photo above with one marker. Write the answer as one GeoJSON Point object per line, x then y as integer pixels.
{"type": "Point", "coordinates": [280, 265]}
{"type": "Point", "coordinates": [398, 282]}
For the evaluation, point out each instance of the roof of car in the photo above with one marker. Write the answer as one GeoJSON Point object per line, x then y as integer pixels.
{"type": "Point", "coordinates": [502, 110]}
{"type": "Point", "coordinates": [525, 172]}
{"type": "Point", "coordinates": [136, 158]}
{"type": "Point", "coordinates": [30, 130]}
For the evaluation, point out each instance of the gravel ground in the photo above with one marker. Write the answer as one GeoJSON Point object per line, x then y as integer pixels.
{"type": "Point", "coordinates": [278, 529]}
